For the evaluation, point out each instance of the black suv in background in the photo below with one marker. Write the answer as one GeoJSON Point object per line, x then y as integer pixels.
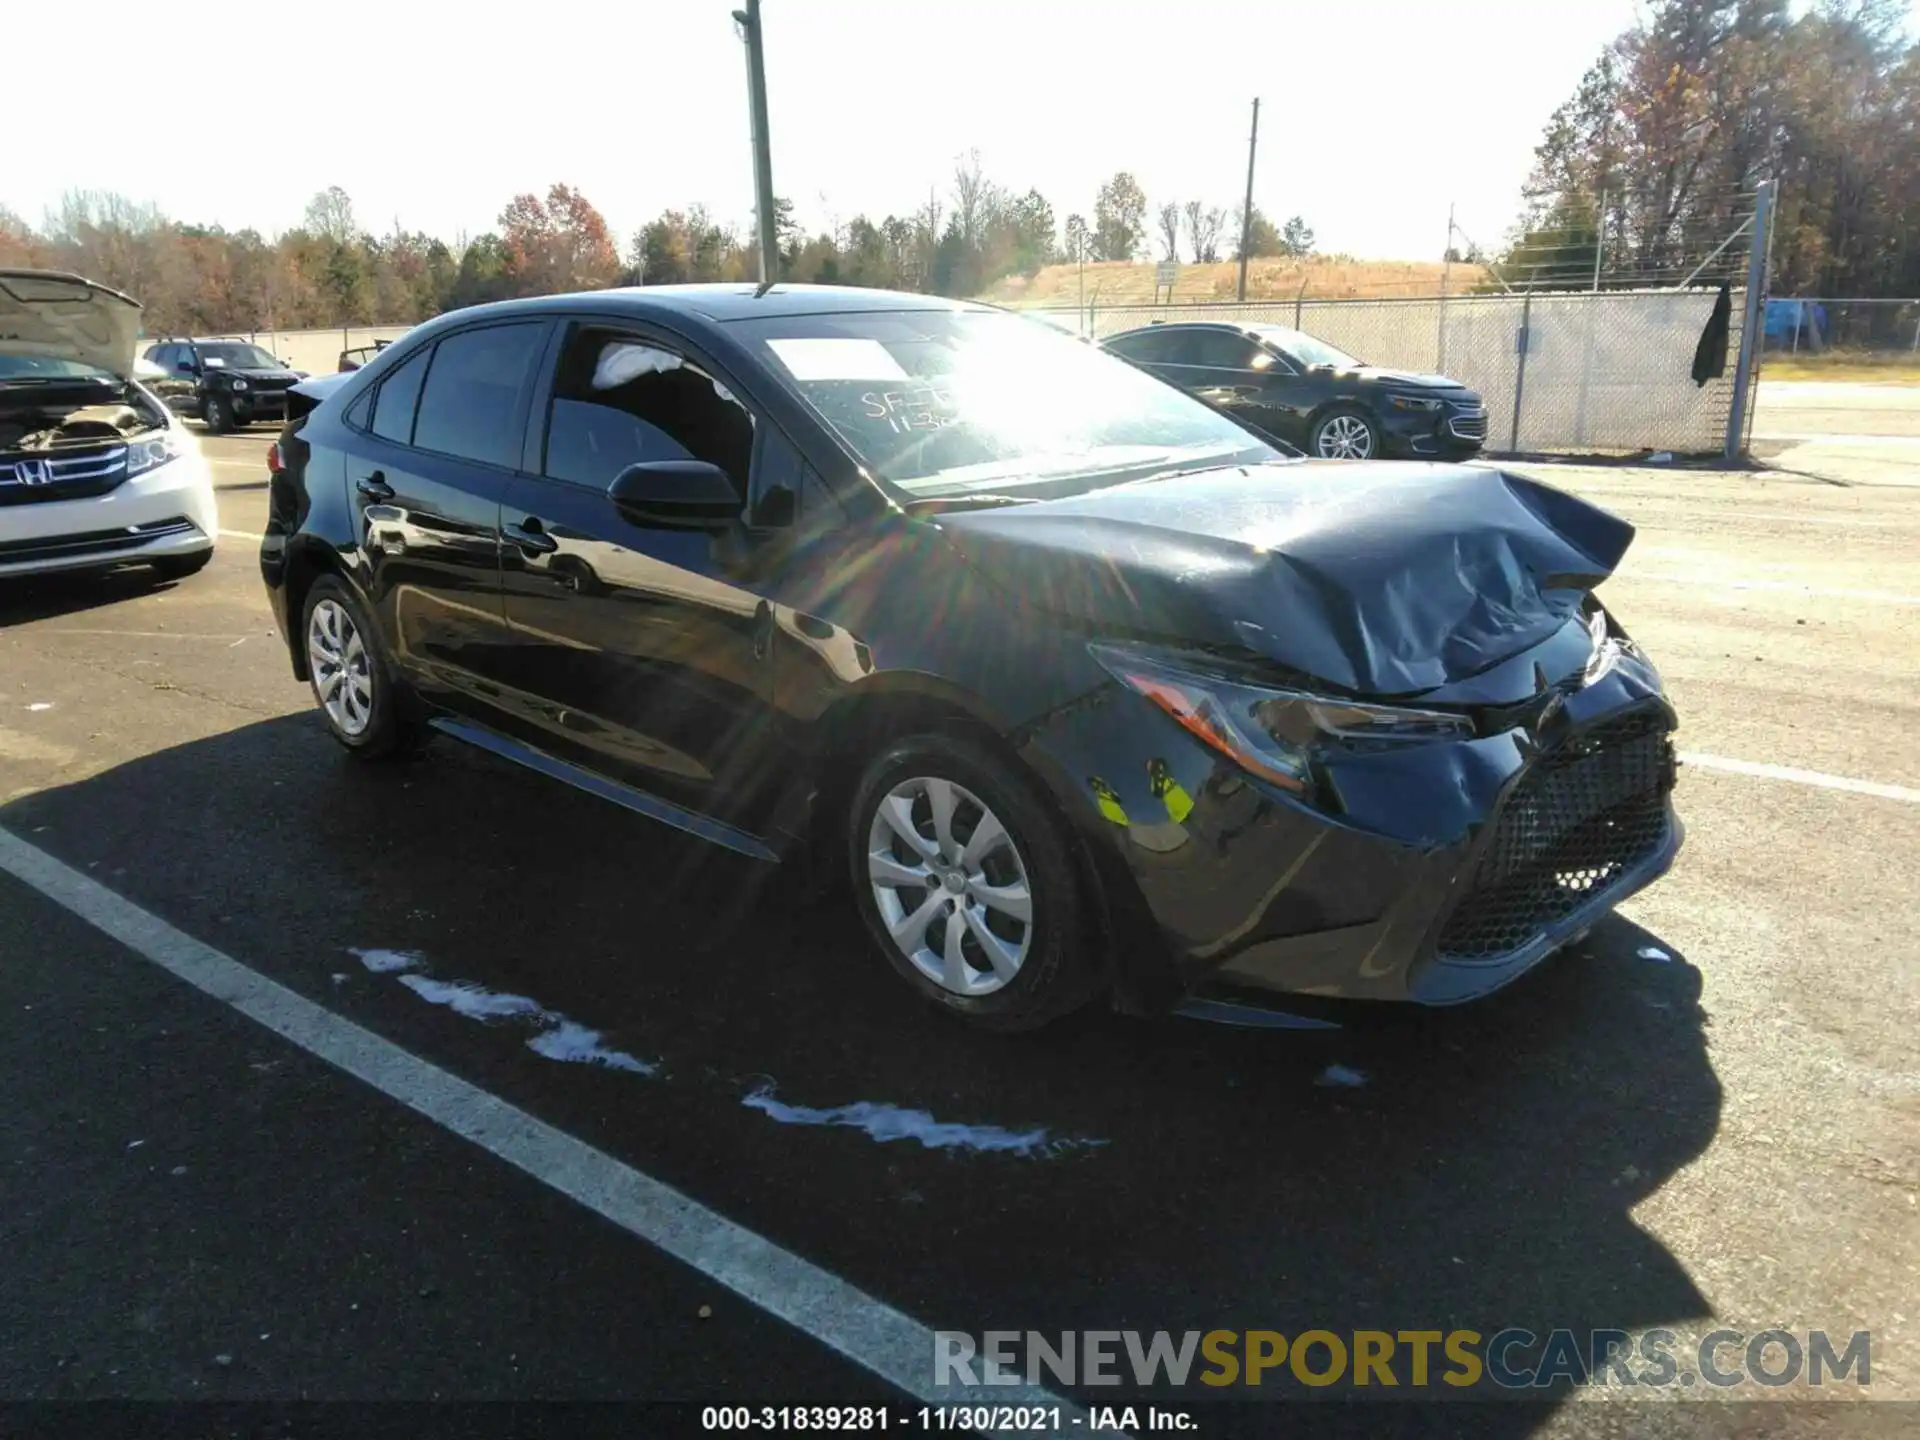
{"type": "Point", "coordinates": [224, 384]}
{"type": "Point", "coordinates": [1295, 388]}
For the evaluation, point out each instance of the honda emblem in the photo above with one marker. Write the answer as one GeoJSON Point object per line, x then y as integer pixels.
{"type": "Point", "coordinates": [33, 472]}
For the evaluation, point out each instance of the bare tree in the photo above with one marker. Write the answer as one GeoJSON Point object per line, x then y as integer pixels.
{"type": "Point", "coordinates": [973, 199]}
{"type": "Point", "coordinates": [1169, 215]}
{"type": "Point", "coordinates": [330, 216]}
{"type": "Point", "coordinates": [1203, 223]}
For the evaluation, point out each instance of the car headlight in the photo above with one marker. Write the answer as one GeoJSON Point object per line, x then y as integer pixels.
{"type": "Point", "coordinates": [237, 383]}
{"type": "Point", "coordinates": [1275, 734]}
{"type": "Point", "coordinates": [1413, 402]}
{"type": "Point", "coordinates": [150, 452]}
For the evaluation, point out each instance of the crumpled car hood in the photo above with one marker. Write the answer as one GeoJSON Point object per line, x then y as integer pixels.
{"type": "Point", "coordinates": [1377, 579]}
{"type": "Point", "coordinates": [63, 317]}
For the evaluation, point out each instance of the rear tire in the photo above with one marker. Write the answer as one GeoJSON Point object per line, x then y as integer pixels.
{"type": "Point", "coordinates": [967, 883]}
{"type": "Point", "coordinates": [179, 567]}
{"type": "Point", "coordinates": [352, 675]}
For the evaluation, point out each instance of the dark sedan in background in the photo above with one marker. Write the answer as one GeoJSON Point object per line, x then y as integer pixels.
{"type": "Point", "coordinates": [1079, 688]}
{"type": "Point", "coordinates": [1293, 387]}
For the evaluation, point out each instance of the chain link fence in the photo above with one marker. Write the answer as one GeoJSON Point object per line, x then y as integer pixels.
{"type": "Point", "coordinates": [1610, 371]}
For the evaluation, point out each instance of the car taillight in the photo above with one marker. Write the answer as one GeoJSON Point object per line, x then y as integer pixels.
{"type": "Point", "coordinates": [274, 467]}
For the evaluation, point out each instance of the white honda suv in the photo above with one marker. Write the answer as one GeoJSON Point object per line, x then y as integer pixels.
{"type": "Point", "coordinates": [94, 470]}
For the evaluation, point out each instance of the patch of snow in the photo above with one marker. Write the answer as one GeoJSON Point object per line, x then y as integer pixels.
{"type": "Point", "coordinates": [571, 1042]}
{"type": "Point", "coordinates": [476, 1002]}
{"type": "Point", "coordinates": [40, 705]}
{"type": "Point", "coordinates": [557, 1037]}
{"type": "Point", "coordinates": [386, 962]}
{"type": "Point", "coordinates": [884, 1123]}
{"type": "Point", "coordinates": [1342, 1076]}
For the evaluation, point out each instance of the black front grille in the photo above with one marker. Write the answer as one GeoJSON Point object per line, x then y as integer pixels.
{"type": "Point", "coordinates": [29, 478]}
{"type": "Point", "coordinates": [89, 543]}
{"type": "Point", "coordinates": [1468, 423]}
{"type": "Point", "coordinates": [1585, 814]}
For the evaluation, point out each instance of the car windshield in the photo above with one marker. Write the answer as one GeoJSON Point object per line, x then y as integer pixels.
{"type": "Point", "coordinates": [47, 367]}
{"type": "Point", "coordinates": [1304, 348]}
{"type": "Point", "coordinates": [957, 402]}
{"type": "Point", "coordinates": [237, 357]}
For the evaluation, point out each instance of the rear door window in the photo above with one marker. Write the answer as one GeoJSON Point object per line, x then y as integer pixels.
{"type": "Point", "coordinates": [1223, 350]}
{"type": "Point", "coordinates": [469, 406]}
{"type": "Point", "coordinates": [394, 406]}
{"type": "Point", "coordinates": [1152, 348]}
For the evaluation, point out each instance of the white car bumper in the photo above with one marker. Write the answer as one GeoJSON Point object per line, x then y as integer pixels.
{"type": "Point", "coordinates": [169, 511]}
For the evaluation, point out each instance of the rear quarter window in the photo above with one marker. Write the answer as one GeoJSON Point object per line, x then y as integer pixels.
{"type": "Point", "coordinates": [397, 398]}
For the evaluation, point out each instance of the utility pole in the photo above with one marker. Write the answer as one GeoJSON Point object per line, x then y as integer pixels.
{"type": "Point", "coordinates": [1246, 211]}
{"type": "Point", "coordinates": [749, 22]}
{"type": "Point", "coordinates": [1446, 255]}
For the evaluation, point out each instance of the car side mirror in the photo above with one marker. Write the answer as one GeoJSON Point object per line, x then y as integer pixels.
{"type": "Point", "coordinates": [185, 367]}
{"type": "Point", "coordinates": [676, 495]}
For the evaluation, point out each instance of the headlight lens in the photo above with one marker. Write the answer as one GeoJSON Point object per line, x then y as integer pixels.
{"type": "Point", "coordinates": [1413, 402]}
{"type": "Point", "coordinates": [237, 383]}
{"type": "Point", "coordinates": [150, 452]}
{"type": "Point", "coordinates": [1273, 733]}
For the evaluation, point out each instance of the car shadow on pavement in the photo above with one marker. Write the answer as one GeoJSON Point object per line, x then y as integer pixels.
{"type": "Point", "coordinates": [1472, 1169]}
{"type": "Point", "coordinates": [27, 598]}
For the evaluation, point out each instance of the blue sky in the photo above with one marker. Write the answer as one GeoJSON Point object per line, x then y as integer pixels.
{"type": "Point", "coordinates": [1376, 114]}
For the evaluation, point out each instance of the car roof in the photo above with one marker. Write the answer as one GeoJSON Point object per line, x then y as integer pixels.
{"type": "Point", "coordinates": [1160, 327]}
{"type": "Point", "coordinates": [728, 302]}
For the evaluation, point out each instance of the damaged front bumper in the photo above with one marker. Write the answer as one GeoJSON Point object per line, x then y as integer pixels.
{"type": "Point", "coordinates": [1431, 874]}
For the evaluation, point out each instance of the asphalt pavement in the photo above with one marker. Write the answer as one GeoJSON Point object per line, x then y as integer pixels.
{"type": "Point", "coordinates": [1708, 1115]}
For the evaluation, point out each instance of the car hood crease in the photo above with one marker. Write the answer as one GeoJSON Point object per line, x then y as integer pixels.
{"type": "Point", "coordinates": [1375, 579]}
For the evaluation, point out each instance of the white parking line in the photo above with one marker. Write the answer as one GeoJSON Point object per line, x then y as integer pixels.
{"type": "Point", "coordinates": [242, 535]}
{"type": "Point", "coordinates": [867, 1332]}
{"type": "Point", "coordinates": [1801, 777]}
{"type": "Point", "coordinates": [1884, 597]}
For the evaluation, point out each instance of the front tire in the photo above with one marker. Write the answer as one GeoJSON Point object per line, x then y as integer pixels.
{"type": "Point", "coordinates": [351, 676]}
{"type": "Point", "coordinates": [1345, 432]}
{"type": "Point", "coordinates": [969, 885]}
{"type": "Point", "coordinates": [217, 414]}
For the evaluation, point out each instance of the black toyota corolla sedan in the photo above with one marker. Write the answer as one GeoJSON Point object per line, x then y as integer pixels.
{"type": "Point", "coordinates": [1079, 688]}
{"type": "Point", "coordinates": [1305, 392]}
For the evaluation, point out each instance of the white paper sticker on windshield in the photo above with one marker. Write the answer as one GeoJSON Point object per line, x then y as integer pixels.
{"type": "Point", "coordinates": [837, 359]}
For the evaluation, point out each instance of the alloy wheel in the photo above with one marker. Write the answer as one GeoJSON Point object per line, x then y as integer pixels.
{"type": "Point", "coordinates": [1344, 437]}
{"type": "Point", "coordinates": [951, 886]}
{"type": "Point", "coordinates": [341, 667]}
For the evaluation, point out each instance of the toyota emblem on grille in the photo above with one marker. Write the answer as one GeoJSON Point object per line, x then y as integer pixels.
{"type": "Point", "coordinates": [33, 472]}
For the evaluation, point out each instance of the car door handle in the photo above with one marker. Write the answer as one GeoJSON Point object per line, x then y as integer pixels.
{"type": "Point", "coordinates": [532, 536]}
{"type": "Point", "coordinates": [374, 487]}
